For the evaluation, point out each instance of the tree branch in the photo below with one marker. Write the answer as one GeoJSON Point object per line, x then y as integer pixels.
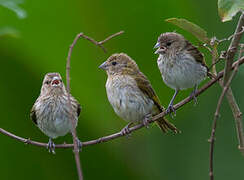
{"type": "Point", "coordinates": [216, 116]}
{"type": "Point", "coordinates": [75, 139]}
{"type": "Point", "coordinates": [236, 111]}
{"type": "Point", "coordinates": [226, 88]}
{"type": "Point", "coordinates": [76, 148]}
{"type": "Point", "coordinates": [134, 128]}
{"type": "Point", "coordinates": [230, 97]}
{"type": "Point", "coordinates": [233, 48]}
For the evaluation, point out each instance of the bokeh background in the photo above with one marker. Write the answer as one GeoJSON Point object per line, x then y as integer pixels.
{"type": "Point", "coordinates": [41, 46]}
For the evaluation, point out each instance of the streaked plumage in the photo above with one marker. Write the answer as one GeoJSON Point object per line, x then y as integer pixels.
{"type": "Point", "coordinates": [130, 93]}
{"type": "Point", "coordinates": [181, 65]}
{"type": "Point", "coordinates": [51, 111]}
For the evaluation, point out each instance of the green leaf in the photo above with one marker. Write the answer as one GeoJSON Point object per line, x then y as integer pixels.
{"type": "Point", "coordinates": [197, 31]}
{"type": "Point", "coordinates": [228, 8]}
{"type": "Point", "coordinates": [14, 6]}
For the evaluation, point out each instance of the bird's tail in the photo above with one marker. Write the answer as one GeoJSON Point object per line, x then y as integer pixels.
{"type": "Point", "coordinates": [166, 126]}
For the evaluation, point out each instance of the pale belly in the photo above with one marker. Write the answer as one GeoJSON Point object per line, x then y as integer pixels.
{"type": "Point", "coordinates": [128, 101]}
{"type": "Point", "coordinates": [56, 123]}
{"type": "Point", "coordinates": [182, 74]}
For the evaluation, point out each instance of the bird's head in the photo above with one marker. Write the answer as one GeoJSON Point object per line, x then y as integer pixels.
{"type": "Point", "coordinates": [52, 83]}
{"type": "Point", "coordinates": [119, 64]}
{"type": "Point", "coordinates": [169, 43]}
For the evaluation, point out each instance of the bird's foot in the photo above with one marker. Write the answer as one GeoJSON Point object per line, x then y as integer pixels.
{"type": "Point", "coordinates": [171, 110]}
{"type": "Point", "coordinates": [146, 120]}
{"type": "Point", "coordinates": [79, 144]}
{"type": "Point", "coordinates": [51, 146]}
{"type": "Point", "coordinates": [193, 95]}
{"type": "Point", "coordinates": [126, 130]}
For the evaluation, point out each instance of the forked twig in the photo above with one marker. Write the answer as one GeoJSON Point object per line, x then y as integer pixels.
{"type": "Point", "coordinates": [100, 44]}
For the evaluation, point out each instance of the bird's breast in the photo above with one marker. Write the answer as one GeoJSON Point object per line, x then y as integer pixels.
{"type": "Point", "coordinates": [127, 100]}
{"type": "Point", "coordinates": [181, 71]}
{"type": "Point", "coordinates": [53, 117]}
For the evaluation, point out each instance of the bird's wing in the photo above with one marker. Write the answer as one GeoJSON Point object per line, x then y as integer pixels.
{"type": "Point", "coordinates": [145, 86]}
{"type": "Point", "coordinates": [198, 56]}
{"type": "Point", "coordinates": [78, 109]}
{"type": "Point", "coordinates": [76, 105]}
{"type": "Point", "coordinates": [33, 115]}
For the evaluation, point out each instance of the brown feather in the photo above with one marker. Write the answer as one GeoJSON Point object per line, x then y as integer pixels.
{"type": "Point", "coordinates": [33, 116]}
{"type": "Point", "coordinates": [194, 52]}
{"type": "Point", "coordinates": [78, 109]}
{"type": "Point", "coordinates": [144, 85]}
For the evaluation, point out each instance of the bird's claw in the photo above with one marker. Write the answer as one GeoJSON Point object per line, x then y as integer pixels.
{"type": "Point", "coordinates": [79, 144]}
{"type": "Point", "coordinates": [126, 130]}
{"type": "Point", "coordinates": [171, 109]}
{"type": "Point", "coordinates": [193, 95]}
{"type": "Point", "coordinates": [51, 146]}
{"type": "Point", "coordinates": [146, 120]}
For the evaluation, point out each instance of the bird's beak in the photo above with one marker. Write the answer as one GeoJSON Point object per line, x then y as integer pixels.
{"type": "Point", "coordinates": [103, 66]}
{"type": "Point", "coordinates": [157, 45]}
{"type": "Point", "coordinates": [55, 81]}
{"type": "Point", "coordinates": [157, 51]}
{"type": "Point", "coordinates": [160, 50]}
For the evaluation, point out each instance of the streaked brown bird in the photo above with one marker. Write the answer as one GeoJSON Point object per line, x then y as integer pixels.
{"type": "Point", "coordinates": [181, 64]}
{"type": "Point", "coordinates": [131, 94]}
{"type": "Point", "coordinates": [51, 110]}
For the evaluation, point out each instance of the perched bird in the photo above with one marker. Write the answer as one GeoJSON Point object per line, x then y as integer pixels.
{"type": "Point", "coordinates": [181, 64]}
{"type": "Point", "coordinates": [51, 110]}
{"type": "Point", "coordinates": [131, 94]}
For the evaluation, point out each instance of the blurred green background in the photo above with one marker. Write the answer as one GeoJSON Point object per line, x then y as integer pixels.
{"type": "Point", "coordinates": [42, 46]}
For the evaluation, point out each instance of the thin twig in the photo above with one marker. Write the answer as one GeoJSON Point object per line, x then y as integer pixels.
{"type": "Point", "coordinates": [216, 116]}
{"type": "Point", "coordinates": [238, 119]}
{"type": "Point", "coordinates": [232, 36]}
{"type": "Point", "coordinates": [230, 97]}
{"type": "Point", "coordinates": [100, 44]}
{"type": "Point", "coordinates": [76, 148]}
{"type": "Point", "coordinates": [119, 134]}
{"type": "Point", "coordinates": [233, 48]}
{"type": "Point", "coordinates": [236, 111]}
{"type": "Point", "coordinates": [215, 57]}
{"type": "Point", "coordinates": [226, 85]}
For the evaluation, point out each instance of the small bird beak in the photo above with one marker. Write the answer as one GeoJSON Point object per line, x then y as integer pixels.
{"type": "Point", "coordinates": [160, 50]}
{"type": "Point", "coordinates": [55, 81]}
{"type": "Point", "coordinates": [157, 45]}
{"type": "Point", "coordinates": [103, 66]}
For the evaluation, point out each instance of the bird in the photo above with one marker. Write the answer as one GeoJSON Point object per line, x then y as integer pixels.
{"type": "Point", "coordinates": [131, 95]}
{"type": "Point", "coordinates": [181, 64]}
{"type": "Point", "coordinates": [51, 111]}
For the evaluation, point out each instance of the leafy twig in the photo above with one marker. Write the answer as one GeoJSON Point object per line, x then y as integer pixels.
{"type": "Point", "coordinates": [227, 90]}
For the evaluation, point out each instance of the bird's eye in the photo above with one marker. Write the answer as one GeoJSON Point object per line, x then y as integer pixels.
{"type": "Point", "coordinates": [47, 82]}
{"type": "Point", "coordinates": [114, 63]}
{"type": "Point", "coordinates": [168, 43]}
